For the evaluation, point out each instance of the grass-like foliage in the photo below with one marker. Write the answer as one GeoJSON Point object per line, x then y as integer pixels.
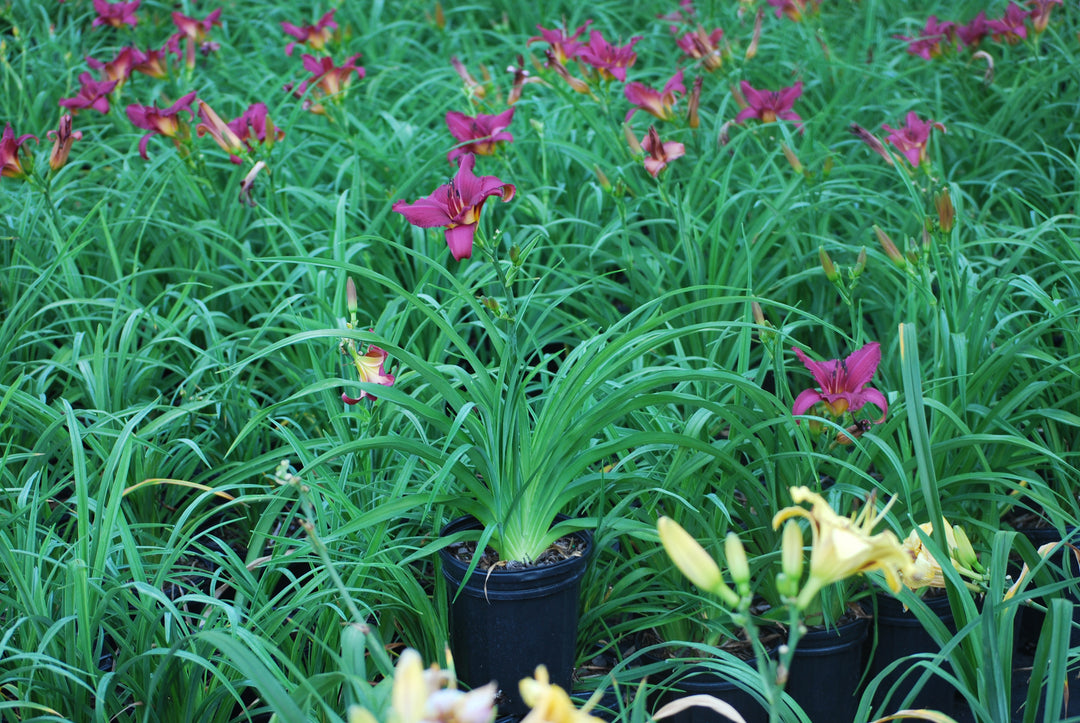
{"type": "Point", "coordinates": [244, 382]}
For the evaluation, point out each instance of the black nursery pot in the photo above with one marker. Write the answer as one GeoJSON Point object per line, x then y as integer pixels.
{"type": "Point", "coordinates": [825, 672]}
{"type": "Point", "coordinates": [704, 681]}
{"type": "Point", "coordinates": [504, 624]}
{"type": "Point", "coordinates": [1031, 620]}
{"type": "Point", "coordinates": [899, 635]}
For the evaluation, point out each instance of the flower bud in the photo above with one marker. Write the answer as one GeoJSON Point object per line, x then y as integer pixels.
{"type": "Point", "coordinates": [692, 560]}
{"type": "Point", "coordinates": [890, 249]}
{"type": "Point", "coordinates": [632, 140]}
{"type": "Point", "coordinates": [827, 264]}
{"type": "Point", "coordinates": [860, 264]}
{"type": "Point", "coordinates": [737, 563]}
{"type": "Point", "coordinates": [965, 553]}
{"type": "Point", "coordinates": [791, 553]}
{"type": "Point", "coordinates": [945, 210]}
{"type": "Point", "coordinates": [752, 48]}
{"type": "Point", "coordinates": [792, 159]}
{"type": "Point", "coordinates": [351, 299]}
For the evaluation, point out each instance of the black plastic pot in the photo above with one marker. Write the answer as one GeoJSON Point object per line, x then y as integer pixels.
{"type": "Point", "coordinates": [900, 635]}
{"type": "Point", "coordinates": [504, 624]}
{"type": "Point", "coordinates": [1031, 620]}
{"type": "Point", "coordinates": [825, 672]}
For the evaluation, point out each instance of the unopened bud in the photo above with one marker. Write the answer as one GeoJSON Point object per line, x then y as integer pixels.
{"type": "Point", "coordinates": [827, 264]}
{"type": "Point", "coordinates": [791, 554]}
{"type": "Point", "coordinates": [632, 140]}
{"type": "Point", "coordinates": [965, 553]}
{"type": "Point", "coordinates": [751, 49]}
{"type": "Point", "coordinates": [515, 255]}
{"type": "Point", "coordinates": [692, 560]}
{"type": "Point", "coordinates": [860, 264]}
{"type": "Point", "coordinates": [491, 304]}
{"type": "Point", "coordinates": [890, 249]}
{"type": "Point", "coordinates": [945, 211]}
{"type": "Point", "coordinates": [792, 159]}
{"type": "Point", "coordinates": [351, 297]}
{"type": "Point", "coordinates": [737, 563]}
{"type": "Point", "coordinates": [692, 118]}
{"type": "Point", "coordinates": [602, 178]}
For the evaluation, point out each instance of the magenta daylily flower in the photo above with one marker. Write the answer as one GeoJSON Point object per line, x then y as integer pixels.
{"type": "Point", "coordinates": [794, 9]}
{"type": "Point", "coordinates": [972, 33]}
{"type": "Point", "coordinates": [1011, 27]}
{"type": "Point", "coordinates": [115, 15]}
{"type": "Point", "coordinates": [329, 78]}
{"type": "Point", "coordinates": [10, 165]}
{"type": "Point", "coordinates": [844, 383]}
{"type": "Point", "coordinates": [661, 104]}
{"type": "Point", "coordinates": [119, 68]}
{"type": "Point", "coordinates": [704, 47]}
{"type": "Point", "coordinates": [255, 123]}
{"type": "Point", "coordinates": [1040, 13]}
{"type": "Point", "coordinates": [159, 122]}
{"type": "Point", "coordinates": [314, 36]}
{"type": "Point", "coordinates": [912, 138]}
{"type": "Point", "coordinates": [929, 42]}
{"type": "Point", "coordinates": [197, 30]}
{"type": "Point", "coordinates": [563, 46]}
{"type": "Point", "coordinates": [770, 105]}
{"type": "Point", "coordinates": [610, 62]}
{"type": "Point", "coordinates": [659, 154]}
{"type": "Point", "coordinates": [220, 131]}
{"type": "Point", "coordinates": [480, 135]}
{"type": "Point", "coordinates": [370, 367]}
{"type": "Point", "coordinates": [456, 205]}
{"type": "Point", "coordinates": [151, 62]}
{"type": "Point", "coordinates": [92, 94]}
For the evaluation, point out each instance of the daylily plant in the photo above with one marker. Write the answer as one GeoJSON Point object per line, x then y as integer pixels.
{"type": "Point", "coordinates": [456, 205]}
{"type": "Point", "coordinates": [314, 36]}
{"type": "Point", "coordinates": [10, 164]}
{"type": "Point", "coordinates": [160, 122]}
{"type": "Point", "coordinates": [659, 103]}
{"type": "Point", "coordinates": [842, 547]}
{"type": "Point", "coordinates": [769, 105]}
{"type": "Point", "coordinates": [92, 94]}
{"type": "Point", "coordinates": [844, 383]}
{"type": "Point", "coordinates": [116, 15]}
{"type": "Point", "coordinates": [480, 134]}
{"type": "Point", "coordinates": [912, 138]}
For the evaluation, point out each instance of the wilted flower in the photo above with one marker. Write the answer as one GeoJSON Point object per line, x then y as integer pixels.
{"type": "Point", "coordinates": [480, 134]}
{"type": "Point", "coordinates": [456, 205]}
{"type": "Point", "coordinates": [370, 368]}
{"type": "Point", "coordinates": [770, 105]}
{"type": "Point", "coordinates": [116, 14]}
{"type": "Point", "coordinates": [160, 122]}
{"type": "Point", "coordinates": [314, 36]}
{"type": "Point", "coordinates": [842, 546]}
{"type": "Point", "coordinates": [703, 46]}
{"type": "Point", "coordinates": [926, 570]}
{"type": "Point", "coordinates": [550, 703]}
{"type": "Point", "coordinates": [563, 46]}
{"type": "Point", "coordinates": [610, 61]}
{"type": "Point", "coordinates": [659, 154]}
{"type": "Point", "coordinates": [92, 94]}
{"type": "Point", "coordinates": [912, 138]}
{"type": "Point", "coordinates": [844, 383]}
{"type": "Point", "coordinates": [249, 182]}
{"type": "Point", "coordinates": [659, 103]}
{"type": "Point", "coordinates": [220, 131]}
{"type": "Point", "coordinates": [10, 164]}
{"type": "Point", "coordinates": [62, 139]}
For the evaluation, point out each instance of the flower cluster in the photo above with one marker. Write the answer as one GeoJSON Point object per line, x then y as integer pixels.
{"type": "Point", "coordinates": [938, 37]}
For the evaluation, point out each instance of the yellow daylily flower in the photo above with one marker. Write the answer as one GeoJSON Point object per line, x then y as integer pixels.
{"type": "Point", "coordinates": [550, 703]}
{"type": "Point", "coordinates": [842, 546]}
{"type": "Point", "coordinates": [419, 696]}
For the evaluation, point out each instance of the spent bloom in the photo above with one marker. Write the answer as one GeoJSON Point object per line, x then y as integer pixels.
{"type": "Point", "coordinates": [116, 15]}
{"type": "Point", "coordinates": [92, 94]}
{"type": "Point", "coordinates": [480, 134]}
{"type": "Point", "coordinates": [314, 36]}
{"type": "Point", "coordinates": [62, 139]}
{"type": "Point", "coordinates": [160, 122]}
{"type": "Point", "coordinates": [562, 46]}
{"type": "Point", "coordinates": [769, 105]}
{"type": "Point", "coordinates": [912, 138]}
{"type": "Point", "coordinates": [704, 47]}
{"type": "Point", "coordinates": [659, 154]}
{"type": "Point", "coordinates": [845, 383]}
{"type": "Point", "coordinates": [456, 206]}
{"type": "Point", "coordinates": [844, 546]}
{"type": "Point", "coordinates": [660, 103]}
{"type": "Point", "coordinates": [608, 60]}
{"type": "Point", "coordinates": [10, 146]}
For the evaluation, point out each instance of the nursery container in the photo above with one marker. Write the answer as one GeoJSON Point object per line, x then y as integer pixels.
{"type": "Point", "coordinates": [900, 635]}
{"type": "Point", "coordinates": [1031, 620]}
{"type": "Point", "coordinates": [825, 672]}
{"type": "Point", "coordinates": [706, 681]}
{"type": "Point", "coordinates": [504, 624]}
